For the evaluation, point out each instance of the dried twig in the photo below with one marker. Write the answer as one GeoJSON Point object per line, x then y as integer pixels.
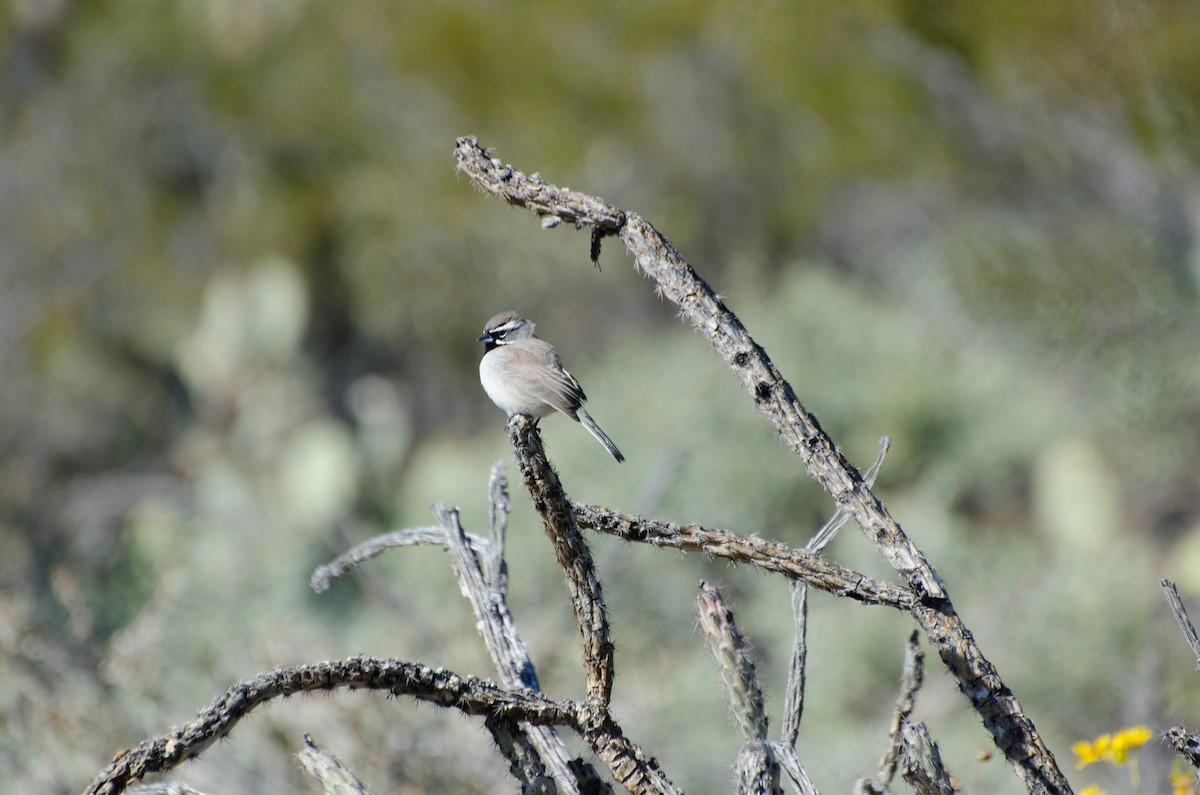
{"type": "Point", "coordinates": [910, 683]}
{"type": "Point", "coordinates": [325, 574]}
{"type": "Point", "coordinates": [786, 755]}
{"type": "Point", "coordinates": [163, 788]}
{"type": "Point", "coordinates": [1181, 618]}
{"type": "Point", "coordinates": [495, 570]}
{"type": "Point", "coordinates": [492, 618]}
{"type": "Point", "coordinates": [793, 703]}
{"type": "Point", "coordinates": [977, 678]}
{"type": "Point", "coordinates": [335, 777]}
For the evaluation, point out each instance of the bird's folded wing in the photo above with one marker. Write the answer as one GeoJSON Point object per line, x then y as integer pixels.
{"type": "Point", "coordinates": [540, 372]}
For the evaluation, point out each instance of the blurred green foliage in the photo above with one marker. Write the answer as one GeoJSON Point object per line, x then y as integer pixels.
{"type": "Point", "coordinates": [241, 284]}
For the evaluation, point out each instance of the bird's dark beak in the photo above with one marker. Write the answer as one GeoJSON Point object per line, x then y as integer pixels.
{"type": "Point", "coordinates": [485, 337]}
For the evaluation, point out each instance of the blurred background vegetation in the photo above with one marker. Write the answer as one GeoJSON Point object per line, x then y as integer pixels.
{"type": "Point", "coordinates": [241, 284]}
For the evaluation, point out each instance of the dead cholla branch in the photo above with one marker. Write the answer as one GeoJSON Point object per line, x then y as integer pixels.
{"type": "Point", "coordinates": [325, 574]}
{"type": "Point", "coordinates": [1186, 744]}
{"type": "Point", "coordinates": [1181, 617]}
{"type": "Point", "coordinates": [468, 694]}
{"type": "Point", "coordinates": [531, 192]}
{"type": "Point", "coordinates": [1013, 733]}
{"type": "Point", "coordinates": [572, 552]}
{"type": "Point", "coordinates": [760, 553]}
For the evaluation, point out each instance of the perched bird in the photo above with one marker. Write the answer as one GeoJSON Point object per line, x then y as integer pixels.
{"type": "Point", "coordinates": [524, 375]}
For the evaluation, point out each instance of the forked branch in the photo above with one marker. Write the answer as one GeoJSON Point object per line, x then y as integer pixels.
{"type": "Point", "coordinates": [1013, 733]}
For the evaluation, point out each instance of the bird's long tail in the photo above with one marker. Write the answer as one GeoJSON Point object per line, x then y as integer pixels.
{"type": "Point", "coordinates": [600, 435]}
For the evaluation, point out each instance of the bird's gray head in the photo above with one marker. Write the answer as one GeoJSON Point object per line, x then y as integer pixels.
{"type": "Point", "coordinates": [505, 328]}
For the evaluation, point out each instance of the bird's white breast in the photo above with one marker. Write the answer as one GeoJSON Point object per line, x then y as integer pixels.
{"type": "Point", "coordinates": [497, 382]}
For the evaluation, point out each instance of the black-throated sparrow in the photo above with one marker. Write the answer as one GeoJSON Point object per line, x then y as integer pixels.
{"type": "Point", "coordinates": [524, 375]}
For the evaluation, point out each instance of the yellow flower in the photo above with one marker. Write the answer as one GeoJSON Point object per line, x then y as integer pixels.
{"type": "Point", "coordinates": [1181, 784]}
{"type": "Point", "coordinates": [1126, 740]}
{"type": "Point", "coordinates": [1113, 748]}
{"type": "Point", "coordinates": [1093, 751]}
{"type": "Point", "coordinates": [1092, 790]}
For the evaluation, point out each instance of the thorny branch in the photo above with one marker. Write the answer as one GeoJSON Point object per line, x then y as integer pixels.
{"type": "Point", "coordinates": [550, 501]}
{"type": "Point", "coordinates": [767, 555]}
{"type": "Point", "coordinates": [630, 767]}
{"type": "Point", "coordinates": [978, 680]}
{"type": "Point", "coordinates": [470, 695]}
{"type": "Point", "coordinates": [1186, 744]}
